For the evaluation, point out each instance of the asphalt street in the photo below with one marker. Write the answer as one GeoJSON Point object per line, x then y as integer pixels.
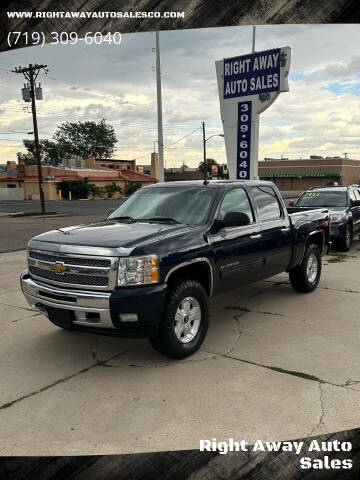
{"type": "Point", "coordinates": [275, 365]}
{"type": "Point", "coordinates": [15, 232]}
{"type": "Point", "coordinates": [74, 207]}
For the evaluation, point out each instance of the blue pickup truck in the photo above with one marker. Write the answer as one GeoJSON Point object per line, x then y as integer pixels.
{"type": "Point", "coordinates": [150, 268]}
{"type": "Point", "coordinates": [344, 208]}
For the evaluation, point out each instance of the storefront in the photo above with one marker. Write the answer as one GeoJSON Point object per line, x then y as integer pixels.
{"type": "Point", "coordinates": [298, 175]}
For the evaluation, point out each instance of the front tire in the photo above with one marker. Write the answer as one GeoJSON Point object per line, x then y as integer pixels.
{"type": "Point", "coordinates": [185, 320]}
{"type": "Point", "coordinates": [345, 242]}
{"type": "Point", "coordinates": [305, 277]}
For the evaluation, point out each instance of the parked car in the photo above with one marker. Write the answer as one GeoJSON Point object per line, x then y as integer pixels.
{"type": "Point", "coordinates": [344, 207]}
{"type": "Point", "coordinates": [149, 269]}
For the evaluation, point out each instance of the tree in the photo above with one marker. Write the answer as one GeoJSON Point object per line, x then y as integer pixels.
{"type": "Point", "coordinates": [132, 187]}
{"type": "Point", "coordinates": [49, 153]}
{"type": "Point", "coordinates": [112, 189]}
{"type": "Point", "coordinates": [85, 139]}
{"type": "Point", "coordinates": [72, 139]}
{"type": "Point", "coordinates": [78, 188]}
{"type": "Point", "coordinates": [209, 162]}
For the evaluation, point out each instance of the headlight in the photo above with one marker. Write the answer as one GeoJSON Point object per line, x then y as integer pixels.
{"type": "Point", "coordinates": [138, 270]}
{"type": "Point", "coordinates": [335, 218]}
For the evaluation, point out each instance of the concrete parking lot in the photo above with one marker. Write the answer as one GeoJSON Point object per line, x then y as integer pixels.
{"type": "Point", "coordinates": [275, 365]}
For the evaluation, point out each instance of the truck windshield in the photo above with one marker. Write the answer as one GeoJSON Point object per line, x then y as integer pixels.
{"type": "Point", "coordinates": [323, 199]}
{"type": "Point", "coordinates": [190, 206]}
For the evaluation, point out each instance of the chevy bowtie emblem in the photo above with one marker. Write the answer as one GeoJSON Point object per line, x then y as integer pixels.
{"type": "Point", "coordinates": [58, 268]}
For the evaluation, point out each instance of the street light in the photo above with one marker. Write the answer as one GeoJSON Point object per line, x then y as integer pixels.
{"type": "Point", "coordinates": [204, 147]}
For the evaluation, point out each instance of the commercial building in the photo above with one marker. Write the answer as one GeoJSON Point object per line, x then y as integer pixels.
{"type": "Point", "coordinates": [21, 181]}
{"type": "Point", "coordinates": [301, 174]}
{"type": "Point", "coordinates": [112, 163]}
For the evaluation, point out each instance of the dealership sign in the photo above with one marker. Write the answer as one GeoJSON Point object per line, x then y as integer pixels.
{"type": "Point", "coordinates": [248, 85]}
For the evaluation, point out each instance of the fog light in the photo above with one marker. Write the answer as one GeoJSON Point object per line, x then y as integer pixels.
{"type": "Point", "coordinates": [128, 317]}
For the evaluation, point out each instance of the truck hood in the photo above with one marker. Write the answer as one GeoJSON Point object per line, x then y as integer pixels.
{"type": "Point", "coordinates": [341, 210]}
{"type": "Point", "coordinates": [111, 233]}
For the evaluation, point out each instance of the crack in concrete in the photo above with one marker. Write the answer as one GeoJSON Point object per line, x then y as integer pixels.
{"type": "Point", "coordinates": [247, 310]}
{"type": "Point", "coordinates": [350, 382]}
{"type": "Point", "coordinates": [303, 375]}
{"type": "Point", "coordinates": [346, 290]}
{"type": "Point", "coordinates": [174, 363]}
{"type": "Point", "coordinates": [104, 363]}
{"type": "Point", "coordinates": [68, 377]}
{"type": "Point", "coordinates": [236, 319]}
{"type": "Point", "coordinates": [30, 316]}
{"type": "Point", "coordinates": [15, 306]}
{"type": "Point", "coordinates": [320, 423]}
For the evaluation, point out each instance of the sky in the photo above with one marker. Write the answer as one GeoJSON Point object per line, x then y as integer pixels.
{"type": "Point", "coordinates": [320, 115]}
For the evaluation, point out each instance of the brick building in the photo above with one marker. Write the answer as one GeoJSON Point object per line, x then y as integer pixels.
{"type": "Point", "coordinates": [301, 174]}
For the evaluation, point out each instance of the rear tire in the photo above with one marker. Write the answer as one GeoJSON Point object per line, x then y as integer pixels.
{"type": "Point", "coordinates": [345, 242]}
{"type": "Point", "coordinates": [305, 277]}
{"type": "Point", "coordinates": [185, 321]}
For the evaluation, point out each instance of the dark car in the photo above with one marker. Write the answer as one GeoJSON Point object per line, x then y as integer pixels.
{"type": "Point", "coordinates": [344, 207]}
{"type": "Point", "coordinates": [149, 269]}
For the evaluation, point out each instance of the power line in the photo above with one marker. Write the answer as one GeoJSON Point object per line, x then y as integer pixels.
{"type": "Point", "coordinates": [182, 138]}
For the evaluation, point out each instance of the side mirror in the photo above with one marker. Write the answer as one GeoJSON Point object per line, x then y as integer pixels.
{"type": "Point", "coordinates": [291, 203]}
{"type": "Point", "coordinates": [355, 203]}
{"type": "Point", "coordinates": [236, 219]}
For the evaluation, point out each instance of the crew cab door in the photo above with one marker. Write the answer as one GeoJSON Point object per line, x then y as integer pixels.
{"type": "Point", "coordinates": [355, 210]}
{"type": "Point", "coordinates": [237, 250]}
{"type": "Point", "coordinates": [276, 240]}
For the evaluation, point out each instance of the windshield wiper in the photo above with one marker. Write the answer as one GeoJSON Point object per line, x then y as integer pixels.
{"type": "Point", "coordinates": [158, 220]}
{"type": "Point", "coordinates": [120, 219]}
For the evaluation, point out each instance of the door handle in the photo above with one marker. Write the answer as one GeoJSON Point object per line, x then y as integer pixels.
{"type": "Point", "coordinates": [285, 229]}
{"type": "Point", "coordinates": [255, 237]}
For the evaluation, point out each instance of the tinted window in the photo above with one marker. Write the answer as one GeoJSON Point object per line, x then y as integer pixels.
{"type": "Point", "coordinates": [236, 200]}
{"type": "Point", "coordinates": [352, 195]}
{"type": "Point", "coordinates": [190, 206]}
{"type": "Point", "coordinates": [326, 198]}
{"type": "Point", "coordinates": [267, 203]}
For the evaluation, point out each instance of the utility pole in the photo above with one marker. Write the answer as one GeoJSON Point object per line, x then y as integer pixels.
{"type": "Point", "coordinates": [30, 73]}
{"type": "Point", "coordinates": [159, 110]}
{"type": "Point", "coordinates": [253, 38]}
{"type": "Point", "coordinates": [204, 148]}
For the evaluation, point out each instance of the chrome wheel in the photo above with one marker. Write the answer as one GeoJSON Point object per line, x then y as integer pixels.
{"type": "Point", "coordinates": [312, 268]}
{"type": "Point", "coordinates": [187, 320]}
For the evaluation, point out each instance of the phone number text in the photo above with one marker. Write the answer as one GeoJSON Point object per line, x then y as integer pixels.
{"type": "Point", "coordinates": [63, 38]}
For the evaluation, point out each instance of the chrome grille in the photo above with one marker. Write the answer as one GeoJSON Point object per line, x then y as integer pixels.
{"type": "Point", "coordinates": [75, 270]}
{"type": "Point", "coordinates": [70, 278]}
{"type": "Point", "coordinates": [89, 262]}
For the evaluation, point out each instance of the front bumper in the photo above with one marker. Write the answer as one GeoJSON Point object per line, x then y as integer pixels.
{"type": "Point", "coordinates": [99, 312]}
